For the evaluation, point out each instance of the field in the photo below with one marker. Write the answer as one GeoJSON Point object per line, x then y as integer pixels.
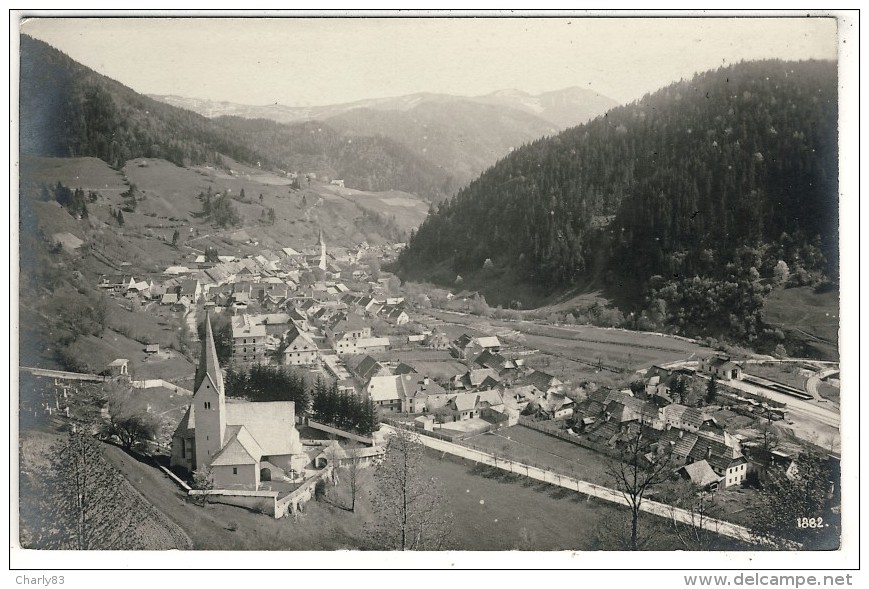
{"type": "Point", "coordinates": [87, 173]}
{"type": "Point", "coordinates": [535, 448]}
{"type": "Point", "coordinates": [616, 350]}
{"type": "Point", "coordinates": [98, 351]}
{"type": "Point", "coordinates": [809, 317]}
{"type": "Point", "coordinates": [407, 210]}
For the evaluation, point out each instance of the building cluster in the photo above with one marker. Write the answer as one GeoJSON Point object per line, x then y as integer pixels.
{"type": "Point", "coordinates": [697, 445]}
{"type": "Point", "coordinates": [287, 306]}
{"type": "Point", "coordinates": [490, 385]}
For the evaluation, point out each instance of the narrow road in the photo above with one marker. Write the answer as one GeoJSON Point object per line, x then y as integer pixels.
{"type": "Point", "coordinates": [812, 383]}
{"type": "Point", "coordinates": [660, 509]}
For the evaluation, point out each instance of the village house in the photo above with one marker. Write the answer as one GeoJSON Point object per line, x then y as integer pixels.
{"type": "Point", "coordinates": [722, 367]}
{"type": "Point", "coordinates": [542, 381]}
{"type": "Point", "coordinates": [242, 443]}
{"type": "Point", "coordinates": [395, 315]}
{"type": "Point", "coordinates": [553, 405]}
{"type": "Point", "coordinates": [275, 324]}
{"type": "Point", "coordinates": [660, 381]}
{"type": "Point", "coordinates": [367, 368]}
{"type": "Point", "coordinates": [465, 346]}
{"type": "Point", "coordinates": [343, 331]}
{"type": "Point", "coordinates": [405, 393]}
{"type": "Point", "coordinates": [190, 288]}
{"type": "Point", "coordinates": [176, 270]}
{"type": "Point", "coordinates": [117, 283]}
{"type": "Point", "coordinates": [494, 361]}
{"type": "Point", "coordinates": [334, 454]}
{"type": "Point", "coordinates": [248, 341]}
{"type": "Point", "coordinates": [700, 474]}
{"type": "Point", "coordinates": [437, 340]}
{"type": "Point", "coordinates": [465, 405]}
{"type": "Point", "coordinates": [301, 350]}
{"type": "Point", "coordinates": [686, 418]}
{"type": "Point", "coordinates": [727, 461]}
{"type": "Point", "coordinates": [372, 345]}
{"type": "Point", "coordinates": [477, 379]}
{"type": "Point", "coordinates": [182, 305]}
{"type": "Point", "coordinates": [170, 298]}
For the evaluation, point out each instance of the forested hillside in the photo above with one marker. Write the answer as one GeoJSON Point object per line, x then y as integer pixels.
{"type": "Point", "coordinates": [68, 110]}
{"type": "Point", "coordinates": [363, 162]}
{"type": "Point", "coordinates": [705, 185]}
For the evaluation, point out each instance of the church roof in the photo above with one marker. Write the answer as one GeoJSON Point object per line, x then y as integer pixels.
{"type": "Point", "coordinates": [185, 426]}
{"type": "Point", "coordinates": [271, 424]}
{"type": "Point", "coordinates": [240, 448]}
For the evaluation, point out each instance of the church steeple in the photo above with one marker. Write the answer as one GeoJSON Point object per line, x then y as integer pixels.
{"type": "Point", "coordinates": [208, 364]}
{"type": "Point", "coordinates": [322, 265]}
{"type": "Point", "coordinates": [209, 402]}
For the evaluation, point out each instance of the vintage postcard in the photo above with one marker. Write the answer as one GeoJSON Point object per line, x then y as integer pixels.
{"type": "Point", "coordinates": [488, 287]}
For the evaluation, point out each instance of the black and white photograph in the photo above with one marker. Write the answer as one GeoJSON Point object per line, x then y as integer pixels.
{"type": "Point", "coordinates": [527, 290]}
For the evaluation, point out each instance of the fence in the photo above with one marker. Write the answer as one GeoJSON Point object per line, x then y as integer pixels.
{"type": "Point", "coordinates": [584, 487]}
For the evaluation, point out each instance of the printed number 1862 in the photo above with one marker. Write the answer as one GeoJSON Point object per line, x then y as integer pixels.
{"type": "Point", "coordinates": [810, 522]}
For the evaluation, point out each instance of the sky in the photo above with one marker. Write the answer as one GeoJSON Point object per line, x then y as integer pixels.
{"type": "Point", "coordinates": [318, 61]}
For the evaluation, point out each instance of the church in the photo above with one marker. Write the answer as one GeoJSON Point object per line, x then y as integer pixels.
{"type": "Point", "coordinates": [243, 443]}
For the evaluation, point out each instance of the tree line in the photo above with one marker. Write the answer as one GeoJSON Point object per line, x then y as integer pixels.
{"type": "Point", "coordinates": [268, 383]}
{"type": "Point", "coordinates": [343, 409]}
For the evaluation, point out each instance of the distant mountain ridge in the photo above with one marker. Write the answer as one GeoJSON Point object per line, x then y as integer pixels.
{"type": "Point", "coordinates": [462, 136]}
{"type": "Point", "coordinates": [562, 108]}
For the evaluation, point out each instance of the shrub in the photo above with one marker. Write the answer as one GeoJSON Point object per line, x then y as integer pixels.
{"type": "Point", "coordinates": [319, 490]}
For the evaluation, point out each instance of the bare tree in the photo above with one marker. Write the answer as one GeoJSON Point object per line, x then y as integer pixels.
{"type": "Point", "coordinates": [408, 505]}
{"type": "Point", "coordinates": [354, 480]}
{"type": "Point", "coordinates": [90, 505]}
{"type": "Point", "coordinates": [700, 531]}
{"type": "Point", "coordinates": [638, 470]}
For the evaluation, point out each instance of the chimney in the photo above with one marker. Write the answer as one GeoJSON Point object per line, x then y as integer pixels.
{"type": "Point", "coordinates": [708, 452]}
{"type": "Point", "coordinates": [425, 380]}
{"type": "Point", "coordinates": [681, 433]}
